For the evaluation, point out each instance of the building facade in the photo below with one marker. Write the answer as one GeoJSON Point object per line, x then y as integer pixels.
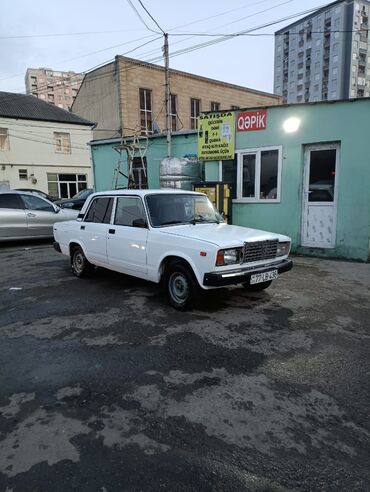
{"type": "Point", "coordinates": [43, 147]}
{"type": "Point", "coordinates": [54, 87]}
{"type": "Point", "coordinates": [306, 174]}
{"type": "Point", "coordinates": [127, 96]}
{"type": "Point", "coordinates": [325, 55]}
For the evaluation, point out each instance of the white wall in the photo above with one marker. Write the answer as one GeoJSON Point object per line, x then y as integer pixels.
{"type": "Point", "coordinates": [32, 147]}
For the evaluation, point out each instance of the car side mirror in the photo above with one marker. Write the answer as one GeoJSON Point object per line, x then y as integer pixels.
{"type": "Point", "coordinates": [139, 223]}
{"type": "Point", "coordinates": [56, 209]}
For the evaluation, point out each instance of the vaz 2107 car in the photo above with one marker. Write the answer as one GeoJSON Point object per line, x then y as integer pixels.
{"type": "Point", "coordinates": [170, 236]}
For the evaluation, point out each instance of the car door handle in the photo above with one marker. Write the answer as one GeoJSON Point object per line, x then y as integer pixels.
{"type": "Point", "coordinates": [82, 228]}
{"type": "Point", "coordinates": [31, 215]}
{"type": "Point", "coordinates": [112, 231]}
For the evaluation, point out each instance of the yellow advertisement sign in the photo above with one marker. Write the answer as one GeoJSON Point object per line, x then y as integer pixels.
{"type": "Point", "coordinates": [216, 136]}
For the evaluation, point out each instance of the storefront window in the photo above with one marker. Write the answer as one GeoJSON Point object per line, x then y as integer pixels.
{"type": "Point", "coordinates": [249, 175]}
{"type": "Point", "coordinates": [259, 175]}
{"type": "Point", "coordinates": [269, 174]}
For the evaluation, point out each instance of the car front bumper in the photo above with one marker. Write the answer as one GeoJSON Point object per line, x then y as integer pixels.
{"type": "Point", "coordinates": [242, 275]}
{"type": "Point", "coordinates": [57, 247]}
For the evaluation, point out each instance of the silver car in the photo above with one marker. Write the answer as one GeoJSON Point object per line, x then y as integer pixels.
{"type": "Point", "coordinates": [27, 216]}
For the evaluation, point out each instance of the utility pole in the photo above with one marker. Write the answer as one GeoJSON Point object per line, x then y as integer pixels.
{"type": "Point", "coordinates": [167, 94]}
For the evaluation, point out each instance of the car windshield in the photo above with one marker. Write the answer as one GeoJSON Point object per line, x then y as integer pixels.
{"type": "Point", "coordinates": [172, 209]}
{"type": "Point", "coordinates": [83, 193]}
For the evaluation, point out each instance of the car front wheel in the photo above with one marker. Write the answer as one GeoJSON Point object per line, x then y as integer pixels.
{"type": "Point", "coordinates": [81, 267]}
{"type": "Point", "coordinates": [181, 286]}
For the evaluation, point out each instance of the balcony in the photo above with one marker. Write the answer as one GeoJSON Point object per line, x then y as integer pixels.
{"type": "Point", "coordinates": [362, 60]}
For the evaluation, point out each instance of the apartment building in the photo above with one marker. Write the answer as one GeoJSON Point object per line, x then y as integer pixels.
{"type": "Point", "coordinates": [54, 87]}
{"type": "Point", "coordinates": [325, 55]}
{"type": "Point", "coordinates": [127, 96]}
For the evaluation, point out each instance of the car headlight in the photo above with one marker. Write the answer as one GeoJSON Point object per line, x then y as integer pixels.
{"type": "Point", "coordinates": [283, 248]}
{"type": "Point", "coordinates": [229, 256]}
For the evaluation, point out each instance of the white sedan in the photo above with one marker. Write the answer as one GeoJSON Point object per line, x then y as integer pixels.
{"type": "Point", "coordinates": [173, 237]}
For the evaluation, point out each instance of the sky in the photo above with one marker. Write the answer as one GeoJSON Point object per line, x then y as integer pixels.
{"type": "Point", "coordinates": [81, 34]}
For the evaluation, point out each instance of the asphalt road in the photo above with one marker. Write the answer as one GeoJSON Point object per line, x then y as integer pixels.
{"type": "Point", "coordinates": [104, 387]}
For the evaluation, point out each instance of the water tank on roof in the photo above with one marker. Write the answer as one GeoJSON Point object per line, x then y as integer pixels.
{"type": "Point", "coordinates": [176, 172]}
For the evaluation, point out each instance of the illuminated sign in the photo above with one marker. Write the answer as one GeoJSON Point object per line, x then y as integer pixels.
{"type": "Point", "coordinates": [250, 121]}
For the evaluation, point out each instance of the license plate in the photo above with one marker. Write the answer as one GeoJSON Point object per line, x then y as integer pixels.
{"type": "Point", "coordinates": [263, 277]}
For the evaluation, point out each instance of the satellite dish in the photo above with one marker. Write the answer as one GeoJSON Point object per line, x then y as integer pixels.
{"type": "Point", "coordinates": [156, 128]}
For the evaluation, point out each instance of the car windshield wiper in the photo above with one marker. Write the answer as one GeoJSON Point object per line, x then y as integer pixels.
{"type": "Point", "coordinates": [169, 222]}
{"type": "Point", "coordinates": [201, 218]}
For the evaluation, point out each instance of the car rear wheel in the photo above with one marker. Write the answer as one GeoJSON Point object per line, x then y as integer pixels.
{"type": "Point", "coordinates": [181, 286]}
{"type": "Point", "coordinates": [257, 287]}
{"type": "Point", "coordinates": [81, 267]}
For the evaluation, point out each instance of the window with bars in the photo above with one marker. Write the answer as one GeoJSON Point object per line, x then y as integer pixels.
{"type": "Point", "coordinates": [215, 106]}
{"type": "Point", "coordinates": [23, 174]}
{"type": "Point", "coordinates": [146, 120]}
{"type": "Point", "coordinates": [4, 139]}
{"type": "Point", "coordinates": [62, 143]}
{"type": "Point", "coordinates": [173, 113]}
{"type": "Point", "coordinates": [194, 112]}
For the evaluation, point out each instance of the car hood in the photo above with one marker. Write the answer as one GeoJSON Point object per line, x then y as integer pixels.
{"type": "Point", "coordinates": [66, 200]}
{"type": "Point", "coordinates": [222, 235]}
{"type": "Point", "coordinates": [66, 214]}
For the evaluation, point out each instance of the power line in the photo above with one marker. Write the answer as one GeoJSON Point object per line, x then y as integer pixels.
{"type": "Point", "coordinates": [222, 25]}
{"type": "Point", "coordinates": [140, 17]}
{"type": "Point", "coordinates": [355, 31]}
{"type": "Point", "coordinates": [55, 35]}
{"type": "Point", "coordinates": [88, 54]}
{"type": "Point", "coordinates": [138, 39]}
{"type": "Point", "coordinates": [43, 88]}
{"type": "Point", "coordinates": [45, 141]}
{"type": "Point", "coordinates": [150, 15]}
{"type": "Point", "coordinates": [208, 43]}
{"type": "Point", "coordinates": [218, 15]}
{"type": "Point", "coordinates": [176, 53]}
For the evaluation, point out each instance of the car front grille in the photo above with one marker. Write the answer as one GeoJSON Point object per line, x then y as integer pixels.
{"type": "Point", "coordinates": [260, 250]}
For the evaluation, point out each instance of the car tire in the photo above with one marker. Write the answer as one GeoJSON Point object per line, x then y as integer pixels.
{"type": "Point", "coordinates": [181, 286]}
{"type": "Point", "coordinates": [81, 267]}
{"type": "Point", "coordinates": [257, 287]}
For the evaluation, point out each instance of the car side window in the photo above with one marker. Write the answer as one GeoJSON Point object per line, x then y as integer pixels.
{"type": "Point", "coordinates": [100, 210]}
{"type": "Point", "coordinates": [128, 209]}
{"type": "Point", "coordinates": [35, 203]}
{"type": "Point", "coordinates": [8, 200]}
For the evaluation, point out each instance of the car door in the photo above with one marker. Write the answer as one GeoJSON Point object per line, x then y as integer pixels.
{"type": "Point", "coordinates": [94, 229]}
{"type": "Point", "coordinates": [40, 214]}
{"type": "Point", "coordinates": [127, 237]}
{"type": "Point", "coordinates": [13, 221]}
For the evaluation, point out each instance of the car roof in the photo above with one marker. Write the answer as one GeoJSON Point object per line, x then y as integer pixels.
{"type": "Point", "coordinates": [159, 191]}
{"type": "Point", "coordinates": [15, 192]}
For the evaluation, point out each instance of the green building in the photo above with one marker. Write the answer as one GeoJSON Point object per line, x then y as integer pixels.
{"type": "Point", "coordinates": [301, 170]}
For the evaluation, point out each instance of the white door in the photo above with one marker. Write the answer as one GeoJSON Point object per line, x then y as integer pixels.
{"type": "Point", "coordinates": [94, 229]}
{"type": "Point", "coordinates": [320, 196]}
{"type": "Point", "coordinates": [127, 237]}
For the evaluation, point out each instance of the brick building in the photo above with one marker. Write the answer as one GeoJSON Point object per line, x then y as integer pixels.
{"type": "Point", "coordinates": [128, 95]}
{"type": "Point", "coordinates": [59, 88]}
